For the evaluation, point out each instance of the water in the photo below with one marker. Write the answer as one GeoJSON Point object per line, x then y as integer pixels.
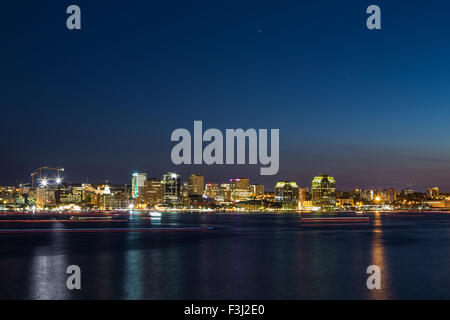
{"type": "Point", "coordinates": [258, 256]}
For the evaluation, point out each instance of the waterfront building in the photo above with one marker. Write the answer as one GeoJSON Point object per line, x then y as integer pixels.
{"type": "Point", "coordinates": [45, 197]}
{"type": "Point", "coordinates": [7, 195]}
{"type": "Point", "coordinates": [324, 192]}
{"type": "Point", "coordinates": [240, 189]}
{"type": "Point", "coordinates": [367, 195]}
{"type": "Point", "coordinates": [286, 192]}
{"type": "Point", "coordinates": [138, 184]}
{"type": "Point", "coordinates": [257, 190]}
{"type": "Point", "coordinates": [196, 185]}
{"type": "Point", "coordinates": [171, 188]}
{"type": "Point", "coordinates": [224, 193]}
{"type": "Point", "coordinates": [345, 202]}
{"type": "Point", "coordinates": [433, 193]}
{"type": "Point", "coordinates": [153, 192]}
{"type": "Point", "coordinates": [211, 190]}
{"type": "Point", "coordinates": [302, 194]}
{"type": "Point", "coordinates": [388, 195]}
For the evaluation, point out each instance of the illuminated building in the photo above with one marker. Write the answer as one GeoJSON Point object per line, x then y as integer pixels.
{"type": "Point", "coordinates": [171, 188]}
{"type": "Point", "coordinates": [153, 193]}
{"type": "Point", "coordinates": [212, 190]}
{"type": "Point", "coordinates": [433, 193]}
{"type": "Point", "coordinates": [137, 184]}
{"type": "Point", "coordinates": [342, 202]}
{"type": "Point", "coordinates": [324, 192]}
{"type": "Point", "coordinates": [367, 195]}
{"type": "Point", "coordinates": [224, 192]}
{"type": "Point", "coordinates": [7, 195]}
{"type": "Point", "coordinates": [196, 185]}
{"type": "Point", "coordinates": [45, 197]}
{"type": "Point", "coordinates": [287, 193]}
{"type": "Point", "coordinates": [68, 195]}
{"type": "Point", "coordinates": [257, 190]}
{"type": "Point", "coordinates": [387, 195]}
{"type": "Point", "coordinates": [302, 195]}
{"type": "Point", "coordinates": [240, 189]}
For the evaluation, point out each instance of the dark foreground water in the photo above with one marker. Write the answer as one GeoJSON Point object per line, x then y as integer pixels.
{"type": "Point", "coordinates": [264, 256]}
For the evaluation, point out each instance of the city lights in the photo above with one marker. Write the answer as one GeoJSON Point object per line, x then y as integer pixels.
{"type": "Point", "coordinates": [192, 194]}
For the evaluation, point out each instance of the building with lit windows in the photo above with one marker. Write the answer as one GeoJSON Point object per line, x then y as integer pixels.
{"type": "Point", "coordinates": [324, 192]}
{"type": "Point", "coordinates": [211, 190]}
{"type": "Point", "coordinates": [224, 193]}
{"type": "Point", "coordinates": [240, 189]}
{"type": "Point", "coordinates": [286, 192]}
{"type": "Point", "coordinates": [433, 193]}
{"type": "Point", "coordinates": [153, 192]}
{"type": "Point", "coordinates": [138, 184]}
{"type": "Point", "coordinates": [196, 185]}
{"type": "Point", "coordinates": [45, 197]}
{"type": "Point", "coordinates": [257, 190]}
{"type": "Point", "coordinates": [171, 188]}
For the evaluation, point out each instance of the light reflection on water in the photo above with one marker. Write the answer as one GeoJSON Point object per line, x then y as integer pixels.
{"type": "Point", "coordinates": [378, 258]}
{"type": "Point", "coordinates": [48, 271]}
{"type": "Point", "coordinates": [245, 257]}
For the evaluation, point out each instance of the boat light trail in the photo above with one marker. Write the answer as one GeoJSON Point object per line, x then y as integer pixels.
{"type": "Point", "coordinates": [3, 231]}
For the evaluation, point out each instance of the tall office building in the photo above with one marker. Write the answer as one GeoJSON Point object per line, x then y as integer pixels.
{"type": "Point", "coordinates": [324, 192]}
{"type": "Point", "coordinates": [196, 185]}
{"type": "Point", "coordinates": [153, 193]}
{"type": "Point", "coordinates": [171, 188]}
{"type": "Point", "coordinates": [138, 184]}
{"type": "Point", "coordinates": [287, 193]}
{"type": "Point", "coordinates": [240, 189]}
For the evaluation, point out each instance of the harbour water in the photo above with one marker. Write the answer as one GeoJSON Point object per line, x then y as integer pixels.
{"type": "Point", "coordinates": [226, 256]}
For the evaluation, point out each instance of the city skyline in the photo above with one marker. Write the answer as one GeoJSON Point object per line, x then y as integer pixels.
{"type": "Point", "coordinates": [65, 179]}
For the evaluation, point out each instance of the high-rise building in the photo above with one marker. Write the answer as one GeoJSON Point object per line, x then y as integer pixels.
{"type": "Point", "coordinates": [196, 185]}
{"type": "Point", "coordinates": [240, 189]}
{"type": "Point", "coordinates": [153, 193]}
{"type": "Point", "coordinates": [138, 184]}
{"type": "Point", "coordinates": [171, 188]}
{"type": "Point", "coordinates": [324, 192]}
{"type": "Point", "coordinates": [287, 193]}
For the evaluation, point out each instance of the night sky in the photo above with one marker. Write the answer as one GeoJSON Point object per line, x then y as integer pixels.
{"type": "Point", "coordinates": [371, 108]}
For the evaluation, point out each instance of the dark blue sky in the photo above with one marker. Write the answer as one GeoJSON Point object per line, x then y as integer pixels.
{"type": "Point", "coordinates": [368, 107]}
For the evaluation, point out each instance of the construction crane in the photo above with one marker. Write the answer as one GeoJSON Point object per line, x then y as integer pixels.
{"type": "Point", "coordinates": [44, 180]}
